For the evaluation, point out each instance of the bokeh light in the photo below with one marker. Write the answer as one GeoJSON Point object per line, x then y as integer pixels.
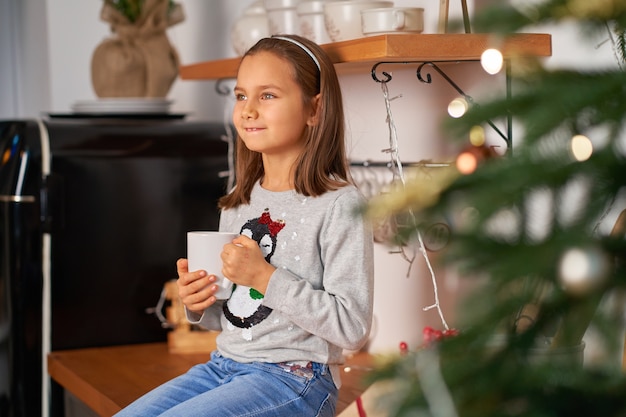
{"type": "Point", "coordinates": [466, 163]}
{"type": "Point", "coordinates": [581, 147]}
{"type": "Point", "coordinates": [491, 61]}
{"type": "Point", "coordinates": [457, 107]}
{"type": "Point", "coordinates": [582, 270]}
{"type": "Point", "coordinates": [477, 135]}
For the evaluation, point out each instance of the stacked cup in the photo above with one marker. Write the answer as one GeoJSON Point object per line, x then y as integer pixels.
{"type": "Point", "coordinates": [392, 20]}
{"type": "Point", "coordinates": [311, 20]}
{"type": "Point", "coordinates": [282, 15]}
{"type": "Point", "coordinates": [352, 19]}
{"type": "Point", "coordinates": [324, 21]}
{"type": "Point", "coordinates": [305, 18]}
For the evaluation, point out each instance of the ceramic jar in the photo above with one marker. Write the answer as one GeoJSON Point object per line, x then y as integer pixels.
{"type": "Point", "coordinates": [311, 19]}
{"type": "Point", "coordinates": [282, 16]}
{"type": "Point", "coordinates": [249, 28]}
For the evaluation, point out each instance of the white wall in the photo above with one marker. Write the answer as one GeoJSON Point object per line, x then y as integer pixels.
{"type": "Point", "coordinates": [24, 84]}
{"type": "Point", "coordinates": [8, 47]}
{"type": "Point", "coordinates": [46, 54]}
{"type": "Point", "coordinates": [202, 36]}
{"type": "Point", "coordinates": [47, 46]}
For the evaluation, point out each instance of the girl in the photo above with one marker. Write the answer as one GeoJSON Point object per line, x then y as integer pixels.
{"type": "Point", "coordinates": [302, 265]}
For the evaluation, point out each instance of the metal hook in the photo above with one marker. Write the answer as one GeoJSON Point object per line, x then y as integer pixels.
{"type": "Point", "coordinates": [386, 74]}
{"type": "Point", "coordinates": [454, 85]}
{"type": "Point", "coordinates": [221, 88]}
{"type": "Point", "coordinates": [429, 80]}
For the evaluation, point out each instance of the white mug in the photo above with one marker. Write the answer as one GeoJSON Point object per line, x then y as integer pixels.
{"type": "Point", "coordinates": [204, 249]}
{"type": "Point", "coordinates": [311, 19]}
{"type": "Point", "coordinates": [343, 18]}
{"type": "Point", "coordinates": [392, 20]}
{"type": "Point", "coordinates": [282, 16]}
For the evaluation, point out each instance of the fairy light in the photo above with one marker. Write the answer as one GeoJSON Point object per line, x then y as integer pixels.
{"type": "Point", "coordinates": [398, 173]}
{"type": "Point", "coordinates": [491, 61]}
{"type": "Point", "coordinates": [466, 163]}
{"type": "Point", "coordinates": [581, 147]}
{"type": "Point", "coordinates": [582, 270]}
{"type": "Point", "coordinates": [458, 107]}
{"type": "Point", "coordinates": [477, 135]}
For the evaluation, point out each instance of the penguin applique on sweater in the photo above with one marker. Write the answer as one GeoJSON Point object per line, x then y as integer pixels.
{"type": "Point", "coordinates": [244, 308]}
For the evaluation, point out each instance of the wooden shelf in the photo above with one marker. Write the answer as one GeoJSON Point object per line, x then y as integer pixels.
{"type": "Point", "coordinates": [359, 54]}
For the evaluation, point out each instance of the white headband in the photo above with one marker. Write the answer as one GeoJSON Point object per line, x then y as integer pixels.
{"type": "Point", "coordinates": [304, 48]}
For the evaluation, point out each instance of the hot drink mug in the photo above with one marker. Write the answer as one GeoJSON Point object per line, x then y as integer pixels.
{"type": "Point", "coordinates": [204, 250]}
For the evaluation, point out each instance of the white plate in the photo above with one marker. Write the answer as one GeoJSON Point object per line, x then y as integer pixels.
{"type": "Point", "coordinates": [122, 105]}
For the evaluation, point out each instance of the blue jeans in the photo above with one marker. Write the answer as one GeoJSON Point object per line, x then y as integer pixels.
{"type": "Point", "coordinates": [226, 388]}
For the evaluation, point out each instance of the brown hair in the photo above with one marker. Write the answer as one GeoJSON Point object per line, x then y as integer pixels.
{"type": "Point", "coordinates": [323, 165]}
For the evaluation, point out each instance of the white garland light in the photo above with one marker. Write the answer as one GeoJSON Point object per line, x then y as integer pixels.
{"type": "Point", "coordinates": [581, 147]}
{"type": "Point", "coordinates": [491, 61]}
{"type": "Point", "coordinates": [458, 107]}
{"type": "Point", "coordinates": [398, 173]}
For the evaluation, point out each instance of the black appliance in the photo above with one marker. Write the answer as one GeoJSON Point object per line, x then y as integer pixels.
{"type": "Point", "coordinates": [93, 216]}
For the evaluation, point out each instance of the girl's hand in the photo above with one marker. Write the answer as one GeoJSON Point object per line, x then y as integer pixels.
{"type": "Point", "coordinates": [244, 264]}
{"type": "Point", "coordinates": [195, 288]}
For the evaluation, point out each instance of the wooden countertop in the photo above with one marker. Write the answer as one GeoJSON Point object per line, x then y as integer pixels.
{"type": "Point", "coordinates": [108, 378]}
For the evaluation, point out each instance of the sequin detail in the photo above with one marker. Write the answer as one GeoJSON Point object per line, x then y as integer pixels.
{"type": "Point", "coordinates": [255, 295]}
{"type": "Point", "coordinates": [305, 371]}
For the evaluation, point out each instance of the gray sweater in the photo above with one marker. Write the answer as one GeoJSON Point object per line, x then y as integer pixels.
{"type": "Point", "coordinates": [319, 299]}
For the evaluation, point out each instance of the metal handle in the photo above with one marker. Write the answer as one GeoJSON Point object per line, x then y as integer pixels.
{"type": "Point", "coordinates": [17, 198]}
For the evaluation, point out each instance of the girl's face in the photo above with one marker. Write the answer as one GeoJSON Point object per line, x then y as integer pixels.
{"type": "Point", "coordinates": [269, 112]}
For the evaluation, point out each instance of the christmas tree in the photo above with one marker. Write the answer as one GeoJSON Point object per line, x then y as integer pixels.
{"type": "Point", "coordinates": [525, 227]}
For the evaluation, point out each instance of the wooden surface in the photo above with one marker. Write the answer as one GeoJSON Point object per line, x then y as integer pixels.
{"type": "Point", "coordinates": [360, 54]}
{"type": "Point", "coordinates": [109, 378]}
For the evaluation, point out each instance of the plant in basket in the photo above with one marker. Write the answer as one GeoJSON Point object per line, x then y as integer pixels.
{"type": "Point", "coordinates": [137, 60]}
{"type": "Point", "coordinates": [542, 232]}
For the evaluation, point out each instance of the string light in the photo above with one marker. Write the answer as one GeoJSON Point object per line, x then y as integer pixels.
{"type": "Point", "coordinates": [466, 163]}
{"type": "Point", "coordinates": [581, 147]}
{"type": "Point", "coordinates": [477, 135]}
{"type": "Point", "coordinates": [491, 61]}
{"type": "Point", "coordinates": [398, 173]}
{"type": "Point", "coordinates": [458, 107]}
{"type": "Point", "coordinates": [582, 270]}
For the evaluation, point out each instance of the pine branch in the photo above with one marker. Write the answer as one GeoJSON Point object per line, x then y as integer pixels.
{"type": "Point", "coordinates": [620, 44]}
